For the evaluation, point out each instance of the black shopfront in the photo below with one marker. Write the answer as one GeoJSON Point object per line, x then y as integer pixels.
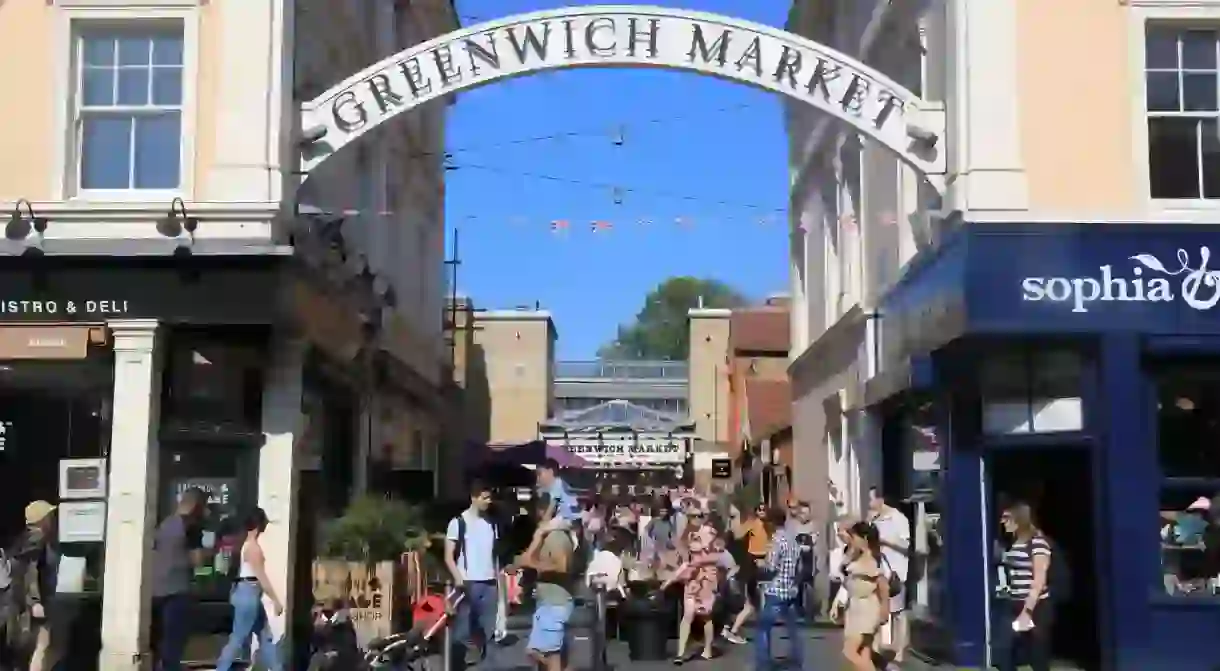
{"type": "Point", "coordinates": [1075, 367]}
{"type": "Point", "coordinates": [220, 320]}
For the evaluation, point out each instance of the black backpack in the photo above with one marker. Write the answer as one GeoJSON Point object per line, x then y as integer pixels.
{"type": "Point", "coordinates": [1059, 575]}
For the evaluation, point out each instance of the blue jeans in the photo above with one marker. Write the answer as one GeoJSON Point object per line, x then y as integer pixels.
{"type": "Point", "coordinates": [249, 619]}
{"type": "Point", "coordinates": [172, 616]}
{"type": "Point", "coordinates": [477, 610]}
{"type": "Point", "coordinates": [773, 611]}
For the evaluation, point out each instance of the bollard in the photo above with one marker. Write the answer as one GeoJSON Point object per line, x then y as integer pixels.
{"type": "Point", "coordinates": [600, 663]}
{"type": "Point", "coordinates": [447, 634]}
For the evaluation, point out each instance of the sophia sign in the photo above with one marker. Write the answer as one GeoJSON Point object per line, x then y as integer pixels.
{"type": "Point", "coordinates": [1148, 281]}
{"type": "Point", "coordinates": [622, 36]}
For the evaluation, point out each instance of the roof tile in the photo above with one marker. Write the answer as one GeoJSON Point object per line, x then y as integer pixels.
{"type": "Point", "coordinates": [759, 329]}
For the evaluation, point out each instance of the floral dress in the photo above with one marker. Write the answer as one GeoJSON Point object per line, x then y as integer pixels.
{"type": "Point", "coordinates": [703, 579]}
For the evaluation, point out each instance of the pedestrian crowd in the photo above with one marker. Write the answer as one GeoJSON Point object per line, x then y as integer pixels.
{"type": "Point", "coordinates": [723, 566]}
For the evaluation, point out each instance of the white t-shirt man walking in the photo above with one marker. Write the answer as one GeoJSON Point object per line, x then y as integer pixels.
{"type": "Point", "coordinates": [894, 530]}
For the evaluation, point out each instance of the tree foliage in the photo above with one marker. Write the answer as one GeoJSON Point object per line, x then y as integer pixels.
{"type": "Point", "coordinates": [660, 330]}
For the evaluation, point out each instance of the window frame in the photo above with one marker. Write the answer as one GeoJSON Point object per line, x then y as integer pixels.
{"type": "Point", "coordinates": [80, 17]}
{"type": "Point", "coordinates": [1200, 14]}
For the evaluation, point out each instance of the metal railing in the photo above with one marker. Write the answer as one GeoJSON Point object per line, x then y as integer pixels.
{"type": "Point", "coordinates": [676, 371]}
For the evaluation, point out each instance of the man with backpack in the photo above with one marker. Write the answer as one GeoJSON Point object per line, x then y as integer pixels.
{"type": "Point", "coordinates": [470, 556]}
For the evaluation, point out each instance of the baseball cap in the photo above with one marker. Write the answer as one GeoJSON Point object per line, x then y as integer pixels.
{"type": "Point", "coordinates": [37, 511]}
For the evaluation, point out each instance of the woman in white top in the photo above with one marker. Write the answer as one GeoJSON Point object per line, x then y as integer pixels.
{"type": "Point", "coordinates": [249, 616]}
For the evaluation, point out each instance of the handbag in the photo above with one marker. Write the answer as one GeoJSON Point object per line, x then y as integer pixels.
{"type": "Point", "coordinates": [895, 582]}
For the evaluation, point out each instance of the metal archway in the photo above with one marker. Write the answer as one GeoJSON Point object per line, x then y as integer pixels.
{"type": "Point", "coordinates": [621, 36]}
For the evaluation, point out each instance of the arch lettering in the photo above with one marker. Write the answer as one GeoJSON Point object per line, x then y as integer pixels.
{"type": "Point", "coordinates": [741, 51]}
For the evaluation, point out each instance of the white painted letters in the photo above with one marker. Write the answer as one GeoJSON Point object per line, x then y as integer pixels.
{"type": "Point", "coordinates": [752, 54]}
{"type": "Point", "coordinates": [1199, 286]}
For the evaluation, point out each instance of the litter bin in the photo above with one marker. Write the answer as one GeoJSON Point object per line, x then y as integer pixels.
{"type": "Point", "coordinates": [644, 619]}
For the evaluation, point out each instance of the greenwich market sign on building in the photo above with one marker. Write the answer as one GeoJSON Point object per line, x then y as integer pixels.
{"type": "Point", "coordinates": [626, 449]}
{"type": "Point", "coordinates": [620, 36]}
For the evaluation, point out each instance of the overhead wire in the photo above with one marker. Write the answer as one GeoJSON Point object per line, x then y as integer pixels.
{"type": "Point", "coordinates": [622, 190]}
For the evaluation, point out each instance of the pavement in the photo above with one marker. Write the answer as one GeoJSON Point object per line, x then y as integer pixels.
{"type": "Point", "coordinates": [822, 647]}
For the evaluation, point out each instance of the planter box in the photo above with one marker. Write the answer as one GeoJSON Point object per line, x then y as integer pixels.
{"type": "Point", "coordinates": [367, 589]}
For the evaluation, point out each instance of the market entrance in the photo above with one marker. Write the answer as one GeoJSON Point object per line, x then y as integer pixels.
{"type": "Point", "coordinates": [629, 37]}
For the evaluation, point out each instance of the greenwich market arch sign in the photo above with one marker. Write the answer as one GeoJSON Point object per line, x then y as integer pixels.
{"type": "Point", "coordinates": [620, 36]}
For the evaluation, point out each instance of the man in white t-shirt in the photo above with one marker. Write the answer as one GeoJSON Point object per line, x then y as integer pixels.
{"type": "Point", "coordinates": [894, 530]}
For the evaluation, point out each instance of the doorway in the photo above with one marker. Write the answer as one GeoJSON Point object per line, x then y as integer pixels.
{"type": "Point", "coordinates": [1057, 482]}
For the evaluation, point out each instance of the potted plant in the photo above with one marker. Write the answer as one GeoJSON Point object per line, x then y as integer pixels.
{"type": "Point", "coordinates": [359, 560]}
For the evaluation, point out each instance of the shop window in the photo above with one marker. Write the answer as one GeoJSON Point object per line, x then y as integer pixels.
{"type": "Point", "coordinates": [1032, 391]}
{"type": "Point", "coordinates": [1183, 111]}
{"type": "Point", "coordinates": [1188, 441]}
{"type": "Point", "coordinates": [214, 382]}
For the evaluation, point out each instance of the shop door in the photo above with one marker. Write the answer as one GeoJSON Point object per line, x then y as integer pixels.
{"type": "Point", "coordinates": [1058, 484]}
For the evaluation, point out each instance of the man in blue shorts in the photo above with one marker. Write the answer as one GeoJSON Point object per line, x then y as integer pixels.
{"type": "Point", "coordinates": [550, 554]}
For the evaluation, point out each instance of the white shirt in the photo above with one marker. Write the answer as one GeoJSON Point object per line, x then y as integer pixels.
{"type": "Point", "coordinates": [477, 560]}
{"type": "Point", "coordinates": [606, 570]}
{"type": "Point", "coordinates": [894, 528]}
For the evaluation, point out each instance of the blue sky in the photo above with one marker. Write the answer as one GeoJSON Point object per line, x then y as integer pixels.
{"type": "Point", "coordinates": [719, 143]}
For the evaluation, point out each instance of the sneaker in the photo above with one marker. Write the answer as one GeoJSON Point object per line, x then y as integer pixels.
{"type": "Point", "coordinates": [735, 639]}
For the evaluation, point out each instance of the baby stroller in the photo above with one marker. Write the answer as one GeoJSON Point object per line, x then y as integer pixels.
{"type": "Point", "coordinates": [333, 644]}
{"type": "Point", "coordinates": [406, 651]}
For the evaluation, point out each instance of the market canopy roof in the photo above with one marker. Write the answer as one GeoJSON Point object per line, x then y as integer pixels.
{"type": "Point", "coordinates": [618, 414]}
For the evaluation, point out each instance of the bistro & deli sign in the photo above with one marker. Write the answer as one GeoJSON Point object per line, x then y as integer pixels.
{"type": "Point", "coordinates": [621, 36]}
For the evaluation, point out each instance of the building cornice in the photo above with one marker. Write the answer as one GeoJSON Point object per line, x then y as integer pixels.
{"type": "Point", "coordinates": [1171, 4]}
{"type": "Point", "coordinates": [135, 212]}
{"type": "Point", "coordinates": [513, 315]}
{"type": "Point", "coordinates": [708, 313]}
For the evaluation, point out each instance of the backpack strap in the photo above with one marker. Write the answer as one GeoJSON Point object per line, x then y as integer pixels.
{"type": "Point", "coordinates": [459, 545]}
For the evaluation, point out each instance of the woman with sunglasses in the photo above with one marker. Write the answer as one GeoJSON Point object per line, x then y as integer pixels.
{"type": "Point", "coordinates": [700, 574]}
{"type": "Point", "coordinates": [753, 538]}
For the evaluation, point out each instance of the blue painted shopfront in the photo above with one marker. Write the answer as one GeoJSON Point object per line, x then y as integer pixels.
{"type": "Point", "coordinates": [1121, 295]}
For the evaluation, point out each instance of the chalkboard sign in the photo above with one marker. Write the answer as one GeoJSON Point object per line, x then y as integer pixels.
{"type": "Point", "coordinates": [220, 491]}
{"type": "Point", "coordinates": [722, 468]}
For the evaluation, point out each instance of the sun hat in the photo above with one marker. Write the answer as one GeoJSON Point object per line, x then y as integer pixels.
{"type": "Point", "coordinates": [37, 511]}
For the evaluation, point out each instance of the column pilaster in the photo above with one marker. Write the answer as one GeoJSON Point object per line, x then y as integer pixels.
{"type": "Point", "coordinates": [284, 426]}
{"type": "Point", "coordinates": [132, 497]}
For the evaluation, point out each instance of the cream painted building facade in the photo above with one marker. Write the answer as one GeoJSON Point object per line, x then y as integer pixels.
{"type": "Point", "coordinates": [1005, 83]}
{"type": "Point", "coordinates": [167, 130]}
{"type": "Point", "coordinates": [941, 319]}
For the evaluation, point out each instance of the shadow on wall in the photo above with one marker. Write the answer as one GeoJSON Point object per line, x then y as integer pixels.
{"type": "Point", "coordinates": [477, 397]}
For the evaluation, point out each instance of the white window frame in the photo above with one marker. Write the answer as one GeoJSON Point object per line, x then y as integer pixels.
{"type": "Point", "coordinates": [1200, 13]}
{"type": "Point", "coordinates": [76, 16]}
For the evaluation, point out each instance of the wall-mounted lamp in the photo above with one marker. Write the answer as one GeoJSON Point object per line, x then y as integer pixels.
{"type": "Point", "coordinates": [175, 222]}
{"type": "Point", "coordinates": [21, 223]}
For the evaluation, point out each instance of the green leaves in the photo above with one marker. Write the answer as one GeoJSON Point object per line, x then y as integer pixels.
{"type": "Point", "coordinates": [374, 529]}
{"type": "Point", "coordinates": [660, 330]}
